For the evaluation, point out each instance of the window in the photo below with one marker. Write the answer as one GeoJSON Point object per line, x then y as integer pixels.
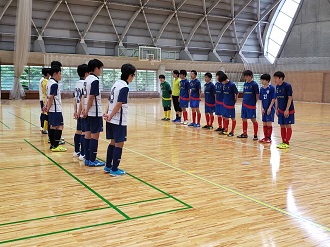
{"type": "Point", "coordinates": [279, 27]}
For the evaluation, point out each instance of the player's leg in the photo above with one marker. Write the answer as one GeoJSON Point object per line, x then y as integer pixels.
{"type": "Point", "coordinates": [82, 140]}
{"type": "Point", "coordinates": [211, 117]}
{"type": "Point", "coordinates": [165, 112]}
{"type": "Point", "coordinates": [168, 115]}
{"type": "Point", "coordinates": [77, 139]}
{"type": "Point", "coordinates": [87, 141]}
{"type": "Point", "coordinates": [96, 128]}
{"type": "Point", "coordinates": [120, 138]}
{"type": "Point", "coordinates": [111, 147]}
{"type": "Point", "coordinates": [265, 130]}
{"type": "Point", "coordinates": [45, 128]}
{"type": "Point", "coordinates": [41, 115]}
{"type": "Point", "coordinates": [184, 106]}
{"type": "Point", "coordinates": [233, 126]}
{"type": "Point", "coordinates": [244, 116]}
{"type": "Point", "coordinates": [255, 128]}
{"type": "Point", "coordinates": [199, 116]}
{"type": "Point", "coordinates": [193, 113]}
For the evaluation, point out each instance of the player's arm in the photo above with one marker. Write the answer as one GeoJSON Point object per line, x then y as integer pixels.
{"type": "Point", "coordinates": [94, 92]}
{"type": "Point", "coordinates": [75, 116]}
{"type": "Point", "coordinates": [53, 93]}
{"type": "Point", "coordinates": [276, 106]}
{"type": "Point", "coordinates": [236, 93]}
{"type": "Point", "coordinates": [106, 110]}
{"type": "Point", "coordinates": [270, 106]}
{"type": "Point", "coordinates": [286, 112]}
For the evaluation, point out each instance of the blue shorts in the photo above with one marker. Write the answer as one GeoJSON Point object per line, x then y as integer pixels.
{"type": "Point", "coordinates": [184, 103]}
{"type": "Point", "coordinates": [194, 103]}
{"type": "Point", "coordinates": [80, 124]}
{"type": "Point", "coordinates": [209, 109]}
{"type": "Point", "coordinates": [94, 124]}
{"type": "Point", "coordinates": [219, 110]}
{"type": "Point", "coordinates": [268, 118]}
{"type": "Point", "coordinates": [229, 113]}
{"type": "Point", "coordinates": [55, 119]}
{"type": "Point", "coordinates": [248, 113]}
{"type": "Point", "coordinates": [283, 120]}
{"type": "Point", "coordinates": [116, 132]}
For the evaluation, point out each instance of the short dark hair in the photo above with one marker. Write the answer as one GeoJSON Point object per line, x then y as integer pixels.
{"type": "Point", "coordinates": [161, 77]}
{"type": "Point", "coordinates": [220, 72]}
{"type": "Point", "coordinates": [127, 69]}
{"type": "Point", "coordinates": [279, 74]}
{"type": "Point", "coordinates": [265, 77]}
{"type": "Point", "coordinates": [194, 71]}
{"type": "Point", "coordinates": [55, 63]}
{"type": "Point", "coordinates": [82, 70]}
{"type": "Point", "coordinates": [93, 64]}
{"type": "Point", "coordinates": [208, 74]}
{"type": "Point", "coordinates": [183, 72]}
{"type": "Point", "coordinates": [223, 77]}
{"type": "Point", "coordinates": [45, 71]}
{"type": "Point", "coordinates": [176, 72]}
{"type": "Point", "coordinates": [248, 73]}
{"type": "Point", "coordinates": [55, 69]}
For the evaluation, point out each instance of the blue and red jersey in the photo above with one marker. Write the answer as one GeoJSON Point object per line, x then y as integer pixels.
{"type": "Point", "coordinates": [184, 89]}
{"type": "Point", "coordinates": [229, 95]}
{"type": "Point", "coordinates": [209, 94]}
{"type": "Point", "coordinates": [219, 93]}
{"type": "Point", "coordinates": [266, 96]}
{"type": "Point", "coordinates": [195, 86]}
{"type": "Point", "coordinates": [251, 89]}
{"type": "Point", "coordinates": [282, 94]}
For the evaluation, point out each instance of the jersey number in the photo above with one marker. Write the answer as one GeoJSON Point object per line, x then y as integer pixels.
{"type": "Point", "coordinates": [112, 95]}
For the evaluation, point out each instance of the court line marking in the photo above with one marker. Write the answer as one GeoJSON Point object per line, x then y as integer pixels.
{"type": "Point", "coordinates": [143, 201]}
{"type": "Point", "coordinates": [4, 124]}
{"type": "Point", "coordinates": [22, 119]}
{"type": "Point", "coordinates": [78, 180]}
{"type": "Point", "coordinates": [22, 167]}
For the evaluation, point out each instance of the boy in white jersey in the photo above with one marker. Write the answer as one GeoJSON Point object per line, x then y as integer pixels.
{"type": "Point", "coordinates": [54, 109]}
{"type": "Point", "coordinates": [79, 137]}
{"type": "Point", "coordinates": [93, 112]}
{"type": "Point", "coordinates": [116, 117]}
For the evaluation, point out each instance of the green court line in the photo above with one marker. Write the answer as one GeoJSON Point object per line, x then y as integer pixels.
{"type": "Point", "coordinates": [90, 226]}
{"type": "Point", "coordinates": [22, 119]}
{"type": "Point", "coordinates": [53, 216]}
{"type": "Point", "coordinates": [78, 180]}
{"type": "Point", "coordinates": [4, 124]}
{"type": "Point", "coordinates": [150, 200]}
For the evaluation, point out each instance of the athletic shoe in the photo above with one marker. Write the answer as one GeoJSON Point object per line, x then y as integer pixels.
{"type": "Point", "coordinates": [263, 139]}
{"type": "Point", "coordinates": [197, 125]}
{"type": "Point", "coordinates": [167, 119]}
{"type": "Point", "coordinates": [205, 127]}
{"type": "Point", "coordinates": [51, 147]}
{"type": "Point", "coordinates": [255, 138]}
{"type": "Point", "coordinates": [82, 157]}
{"type": "Point", "coordinates": [177, 120]}
{"type": "Point", "coordinates": [231, 134]}
{"type": "Point", "coordinates": [268, 140]}
{"type": "Point", "coordinates": [62, 139]}
{"type": "Point", "coordinates": [191, 125]}
{"type": "Point", "coordinates": [283, 146]}
{"type": "Point", "coordinates": [59, 149]}
{"type": "Point", "coordinates": [45, 132]}
{"type": "Point", "coordinates": [96, 163]}
{"type": "Point", "coordinates": [185, 122]}
{"type": "Point", "coordinates": [242, 136]}
{"type": "Point", "coordinates": [224, 133]}
{"type": "Point", "coordinates": [164, 119]}
{"type": "Point", "coordinates": [87, 162]}
{"type": "Point", "coordinates": [218, 129]}
{"type": "Point", "coordinates": [210, 127]}
{"type": "Point", "coordinates": [61, 142]}
{"type": "Point", "coordinates": [117, 173]}
{"type": "Point", "coordinates": [76, 154]}
{"type": "Point", "coordinates": [106, 169]}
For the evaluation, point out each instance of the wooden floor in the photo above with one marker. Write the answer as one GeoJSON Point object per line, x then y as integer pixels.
{"type": "Point", "coordinates": [184, 187]}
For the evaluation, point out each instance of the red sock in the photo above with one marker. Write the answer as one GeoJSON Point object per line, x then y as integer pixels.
{"type": "Point", "coordinates": [226, 123]}
{"type": "Point", "coordinates": [185, 116]}
{"type": "Point", "coordinates": [255, 128]}
{"type": "Point", "coordinates": [207, 118]}
{"type": "Point", "coordinates": [220, 122]}
{"type": "Point", "coordinates": [199, 118]}
{"type": "Point", "coordinates": [283, 134]}
{"type": "Point", "coordinates": [265, 131]}
{"type": "Point", "coordinates": [212, 120]}
{"type": "Point", "coordinates": [245, 126]}
{"type": "Point", "coordinates": [288, 135]}
{"type": "Point", "coordinates": [233, 126]}
{"type": "Point", "coordinates": [194, 116]}
{"type": "Point", "coordinates": [269, 131]}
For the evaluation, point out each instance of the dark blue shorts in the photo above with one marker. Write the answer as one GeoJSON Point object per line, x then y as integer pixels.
{"type": "Point", "coordinates": [194, 103]}
{"type": "Point", "coordinates": [41, 104]}
{"type": "Point", "coordinates": [209, 109]}
{"type": "Point", "coordinates": [184, 103]}
{"type": "Point", "coordinates": [268, 118]}
{"type": "Point", "coordinates": [116, 132]}
{"type": "Point", "coordinates": [94, 124]}
{"type": "Point", "coordinates": [80, 124]}
{"type": "Point", "coordinates": [283, 120]}
{"type": "Point", "coordinates": [218, 110]}
{"type": "Point", "coordinates": [229, 113]}
{"type": "Point", "coordinates": [55, 119]}
{"type": "Point", "coordinates": [248, 113]}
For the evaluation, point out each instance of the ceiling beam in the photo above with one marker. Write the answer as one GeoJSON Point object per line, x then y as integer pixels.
{"type": "Point", "coordinates": [50, 16]}
{"type": "Point", "coordinates": [91, 20]}
{"type": "Point", "coordinates": [5, 8]}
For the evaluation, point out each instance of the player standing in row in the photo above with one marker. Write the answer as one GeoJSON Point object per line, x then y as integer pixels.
{"type": "Point", "coordinates": [43, 116]}
{"type": "Point", "coordinates": [46, 73]}
{"type": "Point", "coordinates": [79, 137]}
{"type": "Point", "coordinates": [184, 95]}
{"type": "Point", "coordinates": [284, 108]}
{"type": "Point", "coordinates": [250, 98]}
{"type": "Point", "coordinates": [166, 97]}
{"type": "Point", "coordinates": [54, 109]}
{"type": "Point", "coordinates": [195, 98]}
{"type": "Point", "coordinates": [219, 101]}
{"type": "Point", "coordinates": [267, 97]}
{"type": "Point", "coordinates": [230, 96]}
{"type": "Point", "coordinates": [93, 112]}
{"type": "Point", "coordinates": [116, 117]}
{"type": "Point", "coordinates": [176, 96]}
{"type": "Point", "coordinates": [209, 94]}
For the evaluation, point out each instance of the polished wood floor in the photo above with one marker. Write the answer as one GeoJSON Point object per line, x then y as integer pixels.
{"type": "Point", "coordinates": [184, 187]}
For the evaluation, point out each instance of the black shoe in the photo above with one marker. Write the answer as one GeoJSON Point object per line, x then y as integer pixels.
{"type": "Point", "coordinates": [205, 127]}
{"type": "Point", "coordinates": [164, 119]}
{"type": "Point", "coordinates": [218, 129]}
{"type": "Point", "coordinates": [51, 147]}
{"type": "Point", "coordinates": [255, 138]}
{"type": "Point", "coordinates": [231, 134]}
{"type": "Point", "coordinates": [210, 127]}
{"type": "Point", "coordinates": [242, 136]}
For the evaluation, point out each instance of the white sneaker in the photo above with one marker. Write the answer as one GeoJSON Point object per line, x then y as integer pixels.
{"type": "Point", "coordinates": [185, 122]}
{"type": "Point", "coordinates": [82, 158]}
{"type": "Point", "coordinates": [76, 154]}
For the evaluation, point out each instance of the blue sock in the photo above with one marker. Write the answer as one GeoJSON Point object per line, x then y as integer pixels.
{"type": "Point", "coordinates": [116, 158]}
{"type": "Point", "coordinates": [77, 142]}
{"type": "Point", "coordinates": [93, 149]}
{"type": "Point", "coordinates": [42, 120]}
{"type": "Point", "coordinates": [87, 152]}
{"type": "Point", "coordinates": [82, 145]}
{"type": "Point", "coordinates": [110, 155]}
